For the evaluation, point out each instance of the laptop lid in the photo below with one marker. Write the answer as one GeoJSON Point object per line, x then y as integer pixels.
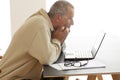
{"type": "Point", "coordinates": [97, 44]}
{"type": "Point", "coordinates": [93, 51]}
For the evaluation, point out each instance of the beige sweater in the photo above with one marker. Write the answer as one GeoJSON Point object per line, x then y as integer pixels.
{"type": "Point", "coordinates": [30, 48]}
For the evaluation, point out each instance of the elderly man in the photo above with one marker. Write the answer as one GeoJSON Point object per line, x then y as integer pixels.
{"type": "Point", "coordinates": [37, 42]}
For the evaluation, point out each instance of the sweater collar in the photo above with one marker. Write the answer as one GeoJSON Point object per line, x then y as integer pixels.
{"type": "Point", "coordinates": [44, 13]}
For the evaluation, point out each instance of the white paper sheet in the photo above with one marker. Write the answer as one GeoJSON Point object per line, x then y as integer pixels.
{"type": "Point", "coordinates": [91, 64]}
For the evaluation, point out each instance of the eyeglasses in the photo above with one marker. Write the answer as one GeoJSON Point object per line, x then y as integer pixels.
{"type": "Point", "coordinates": [75, 63]}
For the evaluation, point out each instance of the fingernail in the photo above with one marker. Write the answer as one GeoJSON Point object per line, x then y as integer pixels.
{"type": "Point", "coordinates": [63, 28]}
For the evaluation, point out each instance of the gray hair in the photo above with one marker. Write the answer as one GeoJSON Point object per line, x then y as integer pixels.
{"type": "Point", "coordinates": [59, 7]}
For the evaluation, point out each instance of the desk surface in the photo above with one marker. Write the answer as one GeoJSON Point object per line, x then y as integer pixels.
{"type": "Point", "coordinates": [109, 54]}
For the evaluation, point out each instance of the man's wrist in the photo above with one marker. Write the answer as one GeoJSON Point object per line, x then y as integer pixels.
{"type": "Point", "coordinates": [56, 41]}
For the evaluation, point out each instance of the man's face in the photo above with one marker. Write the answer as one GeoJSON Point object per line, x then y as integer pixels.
{"type": "Point", "coordinates": [67, 19]}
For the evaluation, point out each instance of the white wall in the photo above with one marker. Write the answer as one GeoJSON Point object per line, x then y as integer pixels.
{"type": "Point", "coordinates": [12, 15]}
{"type": "Point", "coordinates": [5, 34]}
{"type": "Point", "coordinates": [93, 16]}
{"type": "Point", "coordinates": [22, 9]}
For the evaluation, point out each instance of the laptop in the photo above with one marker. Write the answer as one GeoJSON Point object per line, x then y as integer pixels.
{"type": "Point", "coordinates": [85, 55]}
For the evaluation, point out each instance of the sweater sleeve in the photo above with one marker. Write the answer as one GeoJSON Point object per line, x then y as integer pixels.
{"type": "Point", "coordinates": [43, 48]}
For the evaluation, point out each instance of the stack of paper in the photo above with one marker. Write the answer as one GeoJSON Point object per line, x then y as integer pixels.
{"type": "Point", "coordinates": [91, 64]}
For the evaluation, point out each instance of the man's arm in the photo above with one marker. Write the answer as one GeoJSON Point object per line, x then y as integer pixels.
{"type": "Point", "coordinates": [43, 47]}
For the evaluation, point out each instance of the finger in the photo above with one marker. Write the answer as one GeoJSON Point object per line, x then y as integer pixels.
{"type": "Point", "coordinates": [67, 30]}
{"type": "Point", "coordinates": [63, 28]}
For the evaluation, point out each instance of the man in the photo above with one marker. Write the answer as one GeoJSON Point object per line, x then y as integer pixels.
{"type": "Point", "coordinates": [37, 42]}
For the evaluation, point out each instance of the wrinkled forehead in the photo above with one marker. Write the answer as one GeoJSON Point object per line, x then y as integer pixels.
{"type": "Point", "coordinates": [70, 11]}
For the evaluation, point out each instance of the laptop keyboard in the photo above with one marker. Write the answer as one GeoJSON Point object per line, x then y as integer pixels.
{"type": "Point", "coordinates": [79, 54]}
{"type": "Point", "coordinates": [83, 54]}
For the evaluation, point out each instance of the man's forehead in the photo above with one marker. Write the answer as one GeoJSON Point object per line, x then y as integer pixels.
{"type": "Point", "coordinates": [70, 11]}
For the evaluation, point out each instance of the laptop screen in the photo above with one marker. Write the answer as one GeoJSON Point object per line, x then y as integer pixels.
{"type": "Point", "coordinates": [97, 44]}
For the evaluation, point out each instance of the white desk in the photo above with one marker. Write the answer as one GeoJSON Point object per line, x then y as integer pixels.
{"type": "Point", "coordinates": [109, 53]}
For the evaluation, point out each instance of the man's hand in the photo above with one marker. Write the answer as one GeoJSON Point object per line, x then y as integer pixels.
{"type": "Point", "coordinates": [60, 34]}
